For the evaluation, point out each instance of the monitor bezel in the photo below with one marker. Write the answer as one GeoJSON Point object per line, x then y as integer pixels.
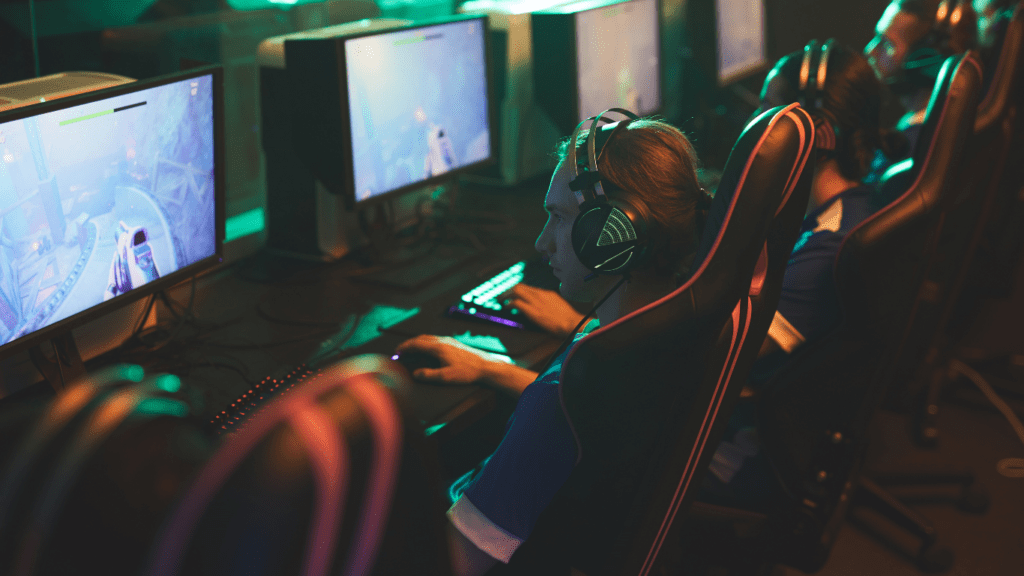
{"type": "Point", "coordinates": [348, 162]}
{"type": "Point", "coordinates": [164, 282]}
{"type": "Point", "coordinates": [589, 6]}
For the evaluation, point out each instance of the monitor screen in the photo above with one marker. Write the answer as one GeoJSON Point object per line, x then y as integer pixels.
{"type": "Point", "coordinates": [418, 104]}
{"type": "Point", "coordinates": [101, 196]}
{"type": "Point", "coordinates": [741, 42]}
{"type": "Point", "coordinates": [617, 51]}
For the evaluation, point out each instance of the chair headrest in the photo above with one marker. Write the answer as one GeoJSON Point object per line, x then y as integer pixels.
{"type": "Point", "coordinates": [768, 161]}
{"type": "Point", "coordinates": [941, 131]}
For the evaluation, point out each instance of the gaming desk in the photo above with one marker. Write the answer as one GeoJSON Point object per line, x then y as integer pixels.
{"type": "Point", "coordinates": [268, 324]}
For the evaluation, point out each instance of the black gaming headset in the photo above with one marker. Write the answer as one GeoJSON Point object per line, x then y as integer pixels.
{"type": "Point", "coordinates": [609, 236]}
{"type": "Point", "coordinates": [813, 72]}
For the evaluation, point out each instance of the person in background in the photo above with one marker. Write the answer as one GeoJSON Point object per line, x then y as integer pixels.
{"type": "Point", "coordinates": [848, 133]}
{"type": "Point", "coordinates": [912, 40]}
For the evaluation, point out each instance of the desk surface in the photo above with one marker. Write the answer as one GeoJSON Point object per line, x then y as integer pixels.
{"type": "Point", "coordinates": [249, 326]}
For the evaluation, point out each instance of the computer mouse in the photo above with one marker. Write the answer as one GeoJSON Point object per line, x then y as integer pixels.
{"type": "Point", "coordinates": [413, 360]}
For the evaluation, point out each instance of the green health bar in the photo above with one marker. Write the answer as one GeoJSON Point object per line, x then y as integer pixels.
{"type": "Point", "coordinates": [104, 113]}
{"type": "Point", "coordinates": [418, 39]}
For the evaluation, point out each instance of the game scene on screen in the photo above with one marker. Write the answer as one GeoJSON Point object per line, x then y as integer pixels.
{"type": "Point", "coordinates": [101, 198]}
{"type": "Point", "coordinates": [740, 36]}
{"type": "Point", "coordinates": [418, 104]}
{"type": "Point", "coordinates": [617, 49]}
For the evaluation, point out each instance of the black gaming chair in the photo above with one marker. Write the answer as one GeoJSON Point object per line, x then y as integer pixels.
{"type": "Point", "coordinates": [86, 485]}
{"type": "Point", "coordinates": [963, 208]}
{"type": "Point", "coordinates": [976, 260]}
{"type": "Point", "coordinates": [648, 396]}
{"type": "Point", "coordinates": [814, 413]}
{"type": "Point", "coordinates": [327, 479]}
{"type": "Point", "coordinates": [1003, 235]}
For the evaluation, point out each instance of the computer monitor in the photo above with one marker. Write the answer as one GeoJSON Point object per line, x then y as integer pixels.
{"type": "Point", "coordinates": [739, 27]}
{"type": "Point", "coordinates": [106, 197]}
{"type": "Point", "coordinates": [597, 54]}
{"type": "Point", "coordinates": [408, 107]}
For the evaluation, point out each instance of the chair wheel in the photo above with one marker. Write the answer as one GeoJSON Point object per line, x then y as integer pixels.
{"type": "Point", "coordinates": [926, 435]}
{"type": "Point", "coordinates": [935, 559]}
{"type": "Point", "coordinates": [975, 500]}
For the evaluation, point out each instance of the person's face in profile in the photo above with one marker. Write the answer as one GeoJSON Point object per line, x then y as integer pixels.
{"type": "Point", "coordinates": [895, 34]}
{"type": "Point", "coordinates": [555, 241]}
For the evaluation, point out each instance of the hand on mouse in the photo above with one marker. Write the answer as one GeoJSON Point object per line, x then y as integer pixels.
{"type": "Point", "coordinates": [460, 364]}
{"type": "Point", "coordinates": [464, 365]}
{"type": "Point", "coordinates": [545, 308]}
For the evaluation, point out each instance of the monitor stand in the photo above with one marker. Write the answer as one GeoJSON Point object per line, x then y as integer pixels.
{"type": "Point", "coordinates": [65, 367]}
{"type": "Point", "coordinates": [409, 264]}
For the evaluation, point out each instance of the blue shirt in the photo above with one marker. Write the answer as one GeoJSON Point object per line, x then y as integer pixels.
{"type": "Point", "coordinates": [501, 503]}
{"type": "Point", "coordinates": [808, 305]}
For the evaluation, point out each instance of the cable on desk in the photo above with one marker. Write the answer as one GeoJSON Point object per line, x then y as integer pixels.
{"type": "Point", "coordinates": [262, 313]}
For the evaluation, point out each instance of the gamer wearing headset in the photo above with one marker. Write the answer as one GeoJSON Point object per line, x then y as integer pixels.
{"type": "Point", "coordinates": [624, 222]}
{"type": "Point", "coordinates": [837, 85]}
{"type": "Point", "coordinates": [840, 90]}
{"type": "Point", "coordinates": [912, 39]}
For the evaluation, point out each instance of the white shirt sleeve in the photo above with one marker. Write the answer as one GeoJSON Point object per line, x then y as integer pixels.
{"type": "Point", "coordinates": [483, 533]}
{"type": "Point", "coordinates": [785, 334]}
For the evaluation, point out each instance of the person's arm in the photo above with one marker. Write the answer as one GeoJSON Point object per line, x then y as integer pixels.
{"type": "Point", "coordinates": [769, 346]}
{"type": "Point", "coordinates": [464, 365]}
{"type": "Point", "coordinates": [545, 308]}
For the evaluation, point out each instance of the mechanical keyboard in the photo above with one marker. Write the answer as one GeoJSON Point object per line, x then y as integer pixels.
{"type": "Point", "coordinates": [482, 303]}
{"type": "Point", "coordinates": [233, 417]}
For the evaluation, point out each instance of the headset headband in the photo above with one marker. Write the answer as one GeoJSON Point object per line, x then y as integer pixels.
{"type": "Point", "coordinates": [825, 132]}
{"type": "Point", "coordinates": [590, 179]}
{"type": "Point", "coordinates": [813, 95]}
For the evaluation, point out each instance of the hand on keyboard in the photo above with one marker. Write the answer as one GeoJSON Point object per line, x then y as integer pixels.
{"type": "Point", "coordinates": [545, 308]}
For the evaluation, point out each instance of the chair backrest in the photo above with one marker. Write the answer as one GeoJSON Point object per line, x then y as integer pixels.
{"type": "Point", "coordinates": [647, 396]}
{"type": "Point", "coordinates": [950, 142]}
{"type": "Point", "coordinates": [327, 479]}
{"type": "Point", "coordinates": [814, 412]}
{"type": "Point", "coordinates": [90, 479]}
{"type": "Point", "coordinates": [986, 190]}
{"type": "Point", "coordinates": [1001, 121]}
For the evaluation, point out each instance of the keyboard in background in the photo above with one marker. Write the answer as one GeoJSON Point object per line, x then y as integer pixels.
{"type": "Point", "coordinates": [234, 417]}
{"type": "Point", "coordinates": [482, 301]}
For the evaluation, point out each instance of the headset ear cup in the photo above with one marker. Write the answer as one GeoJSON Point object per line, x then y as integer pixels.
{"type": "Point", "coordinates": [609, 237]}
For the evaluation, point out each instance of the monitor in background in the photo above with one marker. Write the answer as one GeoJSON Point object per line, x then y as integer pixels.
{"type": "Point", "coordinates": [740, 31]}
{"type": "Point", "coordinates": [418, 106]}
{"type": "Point", "coordinates": [380, 113]}
{"type": "Point", "coordinates": [598, 54]}
{"type": "Point", "coordinates": [104, 198]}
